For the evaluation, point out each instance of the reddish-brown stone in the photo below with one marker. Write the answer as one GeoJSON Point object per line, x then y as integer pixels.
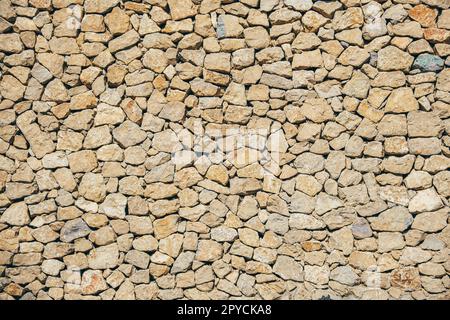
{"type": "Point", "coordinates": [423, 15]}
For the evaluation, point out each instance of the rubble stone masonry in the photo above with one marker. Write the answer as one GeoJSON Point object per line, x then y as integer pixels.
{"type": "Point", "coordinates": [220, 149]}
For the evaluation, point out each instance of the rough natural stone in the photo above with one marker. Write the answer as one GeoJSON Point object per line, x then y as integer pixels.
{"type": "Point", "coordinates": [114, 206]}
{"type": "Point", "coordinates": [104, 257]}
{"type": "Point", "coordinates": [394, 219]}
{"type": "Point", "coordinates": [74, 229]}
{"type": "Point", "coordinates": [391, 58]}
{"type": "Point", "coordinates": [428, 62]}
{"type": "Point", "coordinates": [181, 9]}
{"type": "Point", "coordinates": [209, 251]}
{"type": "Point", "coordinates": [288, 269]}
{"type": "Point", "coordinates": [16, 215]}
{"type": "Point", "coordinates": [430, 221]}
{"type": "Point", "coordinates": [92, 187]}
{"type": "Point", "coordinates": [129, 134]}
{"type": "Point", "coordinates": [345, 275]}
{"type": "Point", "coordinates": [401, 100]}
{"type": "Point", "coordinates": [208, 149]}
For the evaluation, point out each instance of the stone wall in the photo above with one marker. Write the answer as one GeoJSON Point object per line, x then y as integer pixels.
{"type": "Point", "coordinates": [219, 149]}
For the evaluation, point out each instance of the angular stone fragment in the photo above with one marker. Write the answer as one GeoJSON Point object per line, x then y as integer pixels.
{"type": "Point", "coordinates": [180, 9]}
{"type": "Point", "coordinates": [375, 23]}
{"type": "Point", "coordinates": [224, 234]}
{"type": "Point", "coordinates": [326, 203]}
{"type": "Point", "coordinates": [92, 187]}
{"type": "Point", "coordinates": [92, 6]}
{"type": "Point", "coordinates": [218, 173]}
{"type": "Point", "coordinates": [209, 251]}
{"type": "Point", "coordinates": [395, 194]}
{"type": "Point", "coordinates": [304, 221]}
{"type": "Point", "coordinates": [303, 203]}
{"type": "Point", "coordinates": [155, 60]}
{"type": "Point", "coordinates": [10, 43]}
{"type": "Point", "coordinates": [208, 149]}
{"type": "Point", "coordinates": [406, 278]}
{"type": "Point", "coordinates": [425, 200]}
{"type": "Point", "coordinates": [55, 91]}
{"type": "Point", "coordinates": [431, 221]}
{"type": "Point", "coordinates": [129, 134]}
{"type": "Point", "coordinates": [165, 226]}
{"type": "Point", "coordinates": [173, 111]}
{"type": "Point", "coordinates": [257, 37]}
{"type": "Point", "coordinates": [74, 229]}
{"type": "Point", "coordinates": [361, 229]}
{"type": "Point", "coordinates": [313, 21]}
{"type": "Point", "coordinates": [16, 214]}
{"type": "Point", "coordinates": [82, 161]}
{"type": "Point", "coordinates": [92, 282]}
{"type": "Point", "coordinates": [396, 219]}
{"type": "Point", "coordinates": [362, 260]}
{"type": "Point", "coordinates": [276, 81]}
{"type": "Point", "coordinates": [18, 190]}
{"type": "Point", "coordinates": [308, 185]}
{"type": "Point", "coordinates": [414, 255]}
{"type": "Point", "coordinates": [235, 94]}
{"type": "Point", "coordinates": [288, 269]}
{"type": "Point", "coordinates": [137, 258]}
{"type": "Point", "coordinates": [342, 240]}
{"type": "Point", "coordinates": [418, 180]}
{"type": "Point", "coordinates": [55, 160]}
{"type": "Point", "coordinates": [7, 164]}
{"type": "Point", "coordinates": [309, 163]}
{"type": "Point", "coordinates": [299, 5]}
{"type": "Point", "coordinates": [117, 21]}
{"type": "Point", "coordinates": [97, 137]}
{"type": "Point", "coordinates": [124, 41]}
{"type": "Point", "coordinates": [401, 100]}
{"type": "Point", "coordinates": [388, 241]}
{"type": "Point", "coordinates": [317, 110]}
{"type": "Point", "coordinates": [105, 257]}
{"type": "Point", "coordinates": [350, 18]}
{"type": "Point", "coordinates": [398, 165]}
{"type": "Point", "coordinates": [114, 206]}
{"type": "Point", "coordinates": [410, 29]}
{"type": "Point", "coordinates": [441, 182]}
{"type": "Point", "coordinates": [307, 59]}
{"type": "Point", "coordinates": [40, 141]}
{"type": "Point", "coordinates": [228, 26]}
{"type": "Point", "coordinates": [424, 15]}
{"type": "Point", "coordinates": [391, 58]}
{"type": "Point", "coordinates": [354, 56]}
{"type": "Point", "coordinates": [424, 146]}
{"type": "Point", "coordinates": [423, 124]}
{"type": "Point", "coordinates": [427, 62]}
{"type": "Point", "coordinates": [183, 262]}
{"type": "Point", "coordinates": [358, 86]}
{"type": "Point", "coordinates": [345, 275]}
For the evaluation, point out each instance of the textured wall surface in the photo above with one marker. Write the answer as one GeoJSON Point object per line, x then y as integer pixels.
{"type": "Point", "coordinates": [219, 149]}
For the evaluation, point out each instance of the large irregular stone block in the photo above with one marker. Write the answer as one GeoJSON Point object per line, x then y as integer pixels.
{"type": "Point", "coordinates": [209, 149]}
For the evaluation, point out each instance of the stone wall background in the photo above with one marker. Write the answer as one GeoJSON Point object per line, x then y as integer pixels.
{"type": "Point", "coordinates": [267, 149]}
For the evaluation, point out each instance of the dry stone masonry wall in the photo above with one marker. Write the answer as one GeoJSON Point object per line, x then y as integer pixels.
{"type": "Point", "coordinates": [219, 149]}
